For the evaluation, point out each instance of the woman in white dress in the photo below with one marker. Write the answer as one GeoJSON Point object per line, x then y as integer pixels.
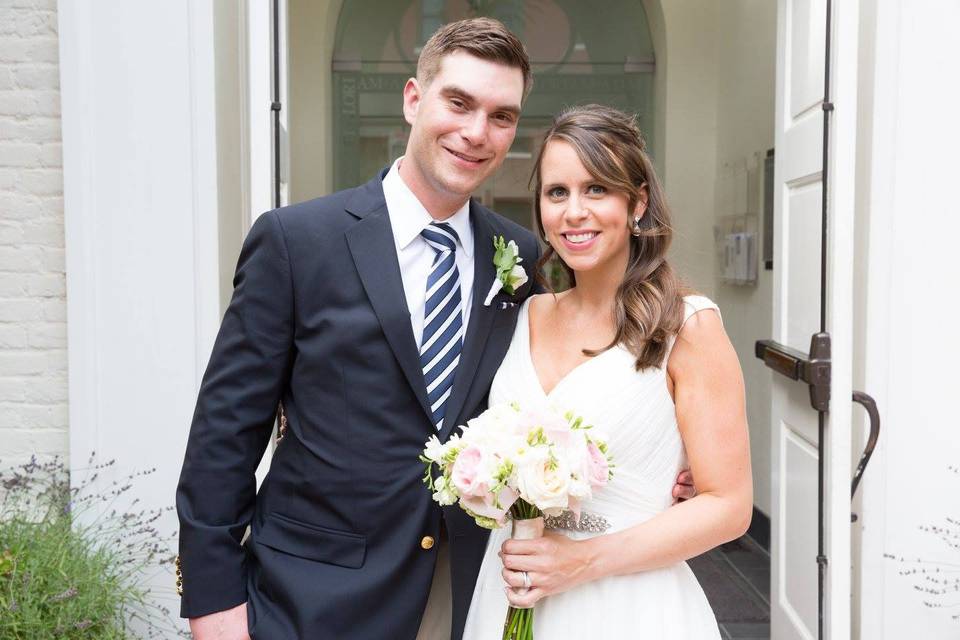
{"type": "Point", "coordinates": [649, 367]}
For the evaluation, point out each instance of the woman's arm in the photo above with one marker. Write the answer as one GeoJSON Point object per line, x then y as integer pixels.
{"type": "Point", "coordinates": [711, 413]}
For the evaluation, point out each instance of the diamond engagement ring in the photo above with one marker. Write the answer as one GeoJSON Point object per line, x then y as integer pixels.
{"type": "Point", "coordinates": [526, 579]}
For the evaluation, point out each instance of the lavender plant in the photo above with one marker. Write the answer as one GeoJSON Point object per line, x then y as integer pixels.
{"type": "Point", "coordinates": [72, 564]}
{"type": "Point", "coordinates": [937, 579]}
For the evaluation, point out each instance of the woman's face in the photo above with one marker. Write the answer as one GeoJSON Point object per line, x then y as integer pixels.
{"type": "Point", "coordinates": [586, 223]}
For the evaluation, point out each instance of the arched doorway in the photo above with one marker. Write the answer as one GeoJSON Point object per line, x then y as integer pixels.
{"type": "Point", "coordinates": [580, 54]}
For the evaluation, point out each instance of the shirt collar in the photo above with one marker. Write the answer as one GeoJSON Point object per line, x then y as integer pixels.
{"type": "Point", "coordinates": [409, 217]}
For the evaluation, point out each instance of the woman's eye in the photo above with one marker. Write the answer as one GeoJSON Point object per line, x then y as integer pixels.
{"type": "Point", "coordinates": [597, 189]}
{"type": "Point", "coordinates": [557, 192]}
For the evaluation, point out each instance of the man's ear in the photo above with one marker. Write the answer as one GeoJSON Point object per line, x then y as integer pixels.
{"type": "Point", "coordinates": [412, 93]}
{"type": "Point", "coordinates": [641, 208]}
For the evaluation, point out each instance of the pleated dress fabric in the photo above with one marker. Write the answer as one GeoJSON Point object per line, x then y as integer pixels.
{"type": "Point", "coordinates": [635, 412]}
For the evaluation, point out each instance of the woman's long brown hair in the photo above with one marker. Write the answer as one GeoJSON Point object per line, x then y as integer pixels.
{"type": "Point", "coordinates": [649, 301]}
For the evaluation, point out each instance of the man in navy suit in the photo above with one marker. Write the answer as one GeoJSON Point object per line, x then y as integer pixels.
{"type": "Point", "coordinates": [363, 314]}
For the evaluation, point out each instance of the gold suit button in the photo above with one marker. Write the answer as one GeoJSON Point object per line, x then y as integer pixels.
{"type": "Point", "coordinates": [427, 542]}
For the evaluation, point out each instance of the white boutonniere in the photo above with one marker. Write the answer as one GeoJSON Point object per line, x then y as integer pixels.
{"type": "Point", "coordinates": [510, 275]}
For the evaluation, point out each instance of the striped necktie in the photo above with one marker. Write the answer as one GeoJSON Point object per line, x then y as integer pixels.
{"type": "Point", "coordinates": [442, 319]}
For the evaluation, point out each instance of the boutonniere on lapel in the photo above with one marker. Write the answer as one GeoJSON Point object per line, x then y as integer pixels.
{"type": "Point", "coordinates": [510, 275]}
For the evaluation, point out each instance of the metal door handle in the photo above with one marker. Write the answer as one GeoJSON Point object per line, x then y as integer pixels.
{"type": "Point", "coordinates": [796, 365]}
{"type": "Point", "coordinates": [815, 371]}
{"type": "Point", "coordinates": [870, 405]}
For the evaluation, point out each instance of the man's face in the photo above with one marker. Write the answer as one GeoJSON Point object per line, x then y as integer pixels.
{"type": "Point", "coordinates": [462, 125]}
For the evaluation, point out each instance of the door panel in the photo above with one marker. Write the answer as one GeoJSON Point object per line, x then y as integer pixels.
{"type": "Point", "coordinates": [807, 28]}
{"type": "Point", "coordinates": [802, 303]}
{"type": "Point", "coordinates": [798, 219]}
{"type": "Point", "coordinates": [798, 503]}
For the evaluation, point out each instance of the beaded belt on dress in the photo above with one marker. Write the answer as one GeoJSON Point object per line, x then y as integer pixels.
{"type": "Point", "coordinates": [589, 522]}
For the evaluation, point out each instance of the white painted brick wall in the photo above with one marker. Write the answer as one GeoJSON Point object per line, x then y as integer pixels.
{"type": "Point", "coordinates": [33, 327]}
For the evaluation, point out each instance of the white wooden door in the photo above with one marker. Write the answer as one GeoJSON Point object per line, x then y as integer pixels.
{"type": "Point", "coordinates": [799, 183]}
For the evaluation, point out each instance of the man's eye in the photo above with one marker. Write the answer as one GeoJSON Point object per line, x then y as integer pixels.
{"type": "Point", "coordinates": [457, 104]}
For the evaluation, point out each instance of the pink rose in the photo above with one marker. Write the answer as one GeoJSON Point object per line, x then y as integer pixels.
{"type": "Point", "coordinates": [598, 469]}
{"type": "Point", "coordinates": [466, 472]}
{"type": "Point", "coordinates": [484, 505]}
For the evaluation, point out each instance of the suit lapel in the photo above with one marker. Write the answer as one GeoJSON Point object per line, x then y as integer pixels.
{"type": "Point", "coordinates": [481, 318]}
{"type": "Point", "coordinates": [375, 256]}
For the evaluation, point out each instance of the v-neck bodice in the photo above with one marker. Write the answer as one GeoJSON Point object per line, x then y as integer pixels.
{"type": "Point", "coordinates": [522, 335]}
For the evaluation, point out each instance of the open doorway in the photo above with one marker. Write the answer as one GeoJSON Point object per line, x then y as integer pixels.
{"type": "Point", "coordinates": [702, 81]}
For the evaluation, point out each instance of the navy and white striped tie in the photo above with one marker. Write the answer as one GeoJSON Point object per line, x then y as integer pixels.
{"type": "Point", "coordinates": [442, 319]}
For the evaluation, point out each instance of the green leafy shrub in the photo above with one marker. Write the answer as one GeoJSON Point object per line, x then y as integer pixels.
{"type": "Point", "coordinates": [68, 573]}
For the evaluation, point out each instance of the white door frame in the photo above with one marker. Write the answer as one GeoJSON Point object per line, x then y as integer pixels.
{"type": "Point", "coordinates": [259, 94]}
{"type": "Point", "coordinates": [260, 146]}
{"type": "Point", "coordinates": [841, 202]}
{"type": "Point", "coordinates": [140, 205]}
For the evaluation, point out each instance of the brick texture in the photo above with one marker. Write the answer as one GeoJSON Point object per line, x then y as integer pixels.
{"type": "Point", "coordinates": [33, 327]}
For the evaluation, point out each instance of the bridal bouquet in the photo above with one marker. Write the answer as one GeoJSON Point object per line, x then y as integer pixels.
{"type": "Point", "coordinates": [523, 461]}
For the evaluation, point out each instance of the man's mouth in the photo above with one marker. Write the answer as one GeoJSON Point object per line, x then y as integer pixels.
{"type": "Point", "coordinates": [465, 157]}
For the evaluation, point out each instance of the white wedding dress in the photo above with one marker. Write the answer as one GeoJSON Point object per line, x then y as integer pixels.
{"type": "Point", "coordinates": [636, 414]}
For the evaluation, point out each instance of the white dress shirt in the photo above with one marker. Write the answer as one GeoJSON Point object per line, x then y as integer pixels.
{"type": "Point", "coordinates": [408, 217]}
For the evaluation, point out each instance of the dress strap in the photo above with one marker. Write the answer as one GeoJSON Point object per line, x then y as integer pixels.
{"type": "Point", "coordinates": [692, 305]}
{"type": "Point", "coordinates": [695, 304]}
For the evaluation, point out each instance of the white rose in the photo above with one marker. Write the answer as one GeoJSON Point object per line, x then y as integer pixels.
{"type": "Point", "coordinates": [544, 482]}
{"type": "Point", "coordinates": [494, 431]}
{"type": "Point", "coordinates": [517, 277]}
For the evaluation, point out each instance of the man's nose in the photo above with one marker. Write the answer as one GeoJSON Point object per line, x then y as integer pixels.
{"type": "Point", "coordinates": [475, 130]}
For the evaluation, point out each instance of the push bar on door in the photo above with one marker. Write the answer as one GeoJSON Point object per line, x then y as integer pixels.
{"type": "Point", "coordinates": [814, 369]}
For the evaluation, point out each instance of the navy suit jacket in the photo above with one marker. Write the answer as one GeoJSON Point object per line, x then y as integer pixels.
{"type": "Point", "coordinates": [318, 320]}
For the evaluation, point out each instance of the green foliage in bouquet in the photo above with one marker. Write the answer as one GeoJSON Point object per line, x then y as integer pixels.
{"type": "Point", "coordinates": [67, 574]}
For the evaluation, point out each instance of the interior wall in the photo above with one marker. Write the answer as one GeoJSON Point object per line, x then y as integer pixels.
{"type": "Point", "coordinates": [715, 93]}
{"type": "Point", "coordinates": [658, 36]}
{"type": "Point", "coordinates": [232, 206]}
{"type": "Point", "coordinates": [745, 98]}
{"type": "Point", "coordinates": [312, 28]}
{"type": "Point", "coordinates": [688, 79]}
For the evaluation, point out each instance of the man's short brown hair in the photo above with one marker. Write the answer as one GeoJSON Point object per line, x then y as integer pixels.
{"type": "Point", "coordinates": [484, 38]}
